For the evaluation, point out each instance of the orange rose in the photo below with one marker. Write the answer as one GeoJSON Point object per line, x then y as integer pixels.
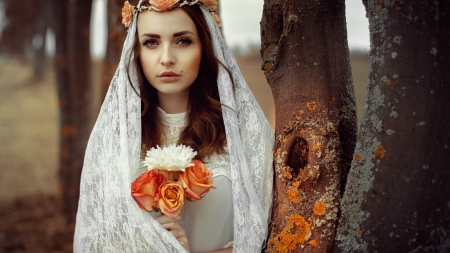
{"type": "Point", "coordinates": [170, 198]}
{"type": "Point", "coordinates": [196, 180]}
{"type": "Point", "coordinates": [163, 5]}
{"type": "Point", "coordinates": [145, 189]}
{"type": "Point", "coordinates": [127, 13]}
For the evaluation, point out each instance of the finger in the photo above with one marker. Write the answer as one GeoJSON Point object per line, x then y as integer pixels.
{"type": "Point", "coordinates": [172, 226]}
{"type": "Point", "coordinates": [178, 233]}
{"type": "Point", "coordinates": [184, 242]}
{"type": "Point", "coordinates": [166, 219]}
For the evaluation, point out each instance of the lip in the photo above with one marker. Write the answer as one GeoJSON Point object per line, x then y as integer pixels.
{"type": "Point", "coordinates": [169, 76]}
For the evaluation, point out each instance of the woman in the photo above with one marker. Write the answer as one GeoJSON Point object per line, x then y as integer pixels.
{"type": "Point", "coordinates": [173, 58]}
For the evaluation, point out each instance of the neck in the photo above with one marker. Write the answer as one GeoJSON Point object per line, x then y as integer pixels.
{"type": "Point", "coordinates": [172, 104]}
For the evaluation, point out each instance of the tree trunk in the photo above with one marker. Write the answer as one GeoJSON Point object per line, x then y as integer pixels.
{"type": "Point", "coordinates": [397, 196]}
{"type": "Point", "coordinates": [40, 26]}
{"type": "Point", "coordinates": [306, 62]}
{"type": "Point", "coordinates": [75, 100]}
{"type": "Point", "coordinates": [116, 36]}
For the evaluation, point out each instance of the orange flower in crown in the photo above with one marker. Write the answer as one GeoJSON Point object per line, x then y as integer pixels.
{"type": "Point", "coordinates": [210, 4]}
{"type": "Point", "coordinates": [163, 5]}
{"type": "Point", "coordinates": [129, 10]}
{"type": "Point", "coordinates": [127, 14]}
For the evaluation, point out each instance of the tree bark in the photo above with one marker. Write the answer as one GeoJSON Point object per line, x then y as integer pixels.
{"type": "Point", "coordinates": [397, 196]}
{"type": "Point", "coordinates": [306, 62]}
{"type": "Point", "coordinates": [75, 96]}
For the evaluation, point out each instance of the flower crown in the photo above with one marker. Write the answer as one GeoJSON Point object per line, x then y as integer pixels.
{"type": "Point", "coordinates": [129, 10]}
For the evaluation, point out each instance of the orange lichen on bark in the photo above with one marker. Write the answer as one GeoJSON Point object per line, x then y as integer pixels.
{"type": "Point", "coordinates": [388, 82]}
{"type": "Point", "coordinates": [311, 105]}
{"type": "Point", "coordinates": [68, 130]}
{"type": "Point", "coordinates": [301, 112]}
{"type": "Point", "coordinates": [64, 152]}
{"type": "Point", "coordinates": [267, 68]}
{"type": "Point", "coordinates": [380, 151]}
{"type": "Point", "coordinates": [293, 196]}
{"type": "Point", "coordinates": [285, 241]}
{"type": "Point", "coordinates": [319, 208]}
{"type": "Point", "coordinates": [315, 138]}
{"type": "Point", "coordinates": [313, 243]}
{"type": "Point", "coordinates": [317, 147]}
{"type": "Point", "coordinates": [287, 175]}
{"type": "Point", "coordinates": [357, 157]}
{"type": "Point", "coordinates": [333, 99]}
{"type": "Point", "coordinates": [296, 183]}
{"type": "Point", "coordinates": [284, 140]}
{"type": "Point", "coordinates": [62, 103]}
{"type": "Point", "coordinates": [360, 232]}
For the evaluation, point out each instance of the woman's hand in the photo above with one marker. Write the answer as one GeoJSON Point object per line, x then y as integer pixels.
{"type": "Point", "coordinates": [172, 225]}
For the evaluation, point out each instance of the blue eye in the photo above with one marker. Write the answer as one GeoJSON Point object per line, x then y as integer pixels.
{"type": "Point", "coordinates": [184, 41]}
{"type": "Point", "coordinates": [150, 43]}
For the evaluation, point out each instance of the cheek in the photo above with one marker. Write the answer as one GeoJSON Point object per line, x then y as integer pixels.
{"type": "Point", "coordinates": [195, 61]}
{"type": "Point", "coordinates": [147, 65]}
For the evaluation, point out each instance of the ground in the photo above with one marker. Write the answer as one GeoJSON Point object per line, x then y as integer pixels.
{"type": "Point", "coordinates": [31, 219]}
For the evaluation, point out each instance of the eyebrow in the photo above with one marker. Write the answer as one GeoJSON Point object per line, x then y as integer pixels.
{"type": "Point", "coordinates": [152, 35]}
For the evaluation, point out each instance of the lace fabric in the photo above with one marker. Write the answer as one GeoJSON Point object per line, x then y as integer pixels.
{"type": "Point", "coordinates": [109, 220]}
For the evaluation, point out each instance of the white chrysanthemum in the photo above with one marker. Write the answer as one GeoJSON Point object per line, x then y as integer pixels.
{"type": "Point", "coordinates": [170, 158]}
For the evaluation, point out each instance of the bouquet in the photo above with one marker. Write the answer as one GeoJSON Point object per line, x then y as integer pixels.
{"type": "Point", "coordinates": [171, 176]}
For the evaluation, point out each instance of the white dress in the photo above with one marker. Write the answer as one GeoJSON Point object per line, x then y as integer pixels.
{"type": "Point", "coordinates": [208, 222]}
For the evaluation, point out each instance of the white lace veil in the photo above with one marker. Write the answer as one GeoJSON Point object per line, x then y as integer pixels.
{"type": "Point", "coordinates": [108, 218]}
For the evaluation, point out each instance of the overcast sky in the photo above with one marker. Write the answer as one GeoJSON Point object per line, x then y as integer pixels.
{"type": "Point", "coordinates": [241, 22]}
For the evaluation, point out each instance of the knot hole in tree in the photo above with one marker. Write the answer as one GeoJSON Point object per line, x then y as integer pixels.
{"type": "Point", "coordinates": [298, 156]}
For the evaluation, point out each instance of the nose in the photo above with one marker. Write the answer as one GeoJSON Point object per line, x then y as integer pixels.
{"type": "Point", "coordinates": [167, 57]}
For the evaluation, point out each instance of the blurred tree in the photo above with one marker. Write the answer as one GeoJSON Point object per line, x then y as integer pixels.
{"type": "Point", "coordinates": [24, 35]}
{"type": "Point", "coordinates": [41, 24]}
{"type": "Point", "coordinates": [116, 37]}
{"type": "Point", "coordinates": [306, 62]}
{"type": "Point", "coordinates": [398, 197]}
{"type": "Point", "coordinates": [73, 61]}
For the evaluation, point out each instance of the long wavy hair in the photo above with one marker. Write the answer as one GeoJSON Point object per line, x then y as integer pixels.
{"type": "Point", "coordinates": [205, 129]}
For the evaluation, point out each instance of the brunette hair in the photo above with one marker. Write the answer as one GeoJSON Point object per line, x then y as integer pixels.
{"type": "Point", "coordinates": [205, 129]}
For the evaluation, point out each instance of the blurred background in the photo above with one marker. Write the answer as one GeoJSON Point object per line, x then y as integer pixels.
{"type": "Point", "coordinates": [31, 206]}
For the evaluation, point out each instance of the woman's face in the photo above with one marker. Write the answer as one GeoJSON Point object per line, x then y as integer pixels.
{"type": "Point", "coordinates": [170, 51]}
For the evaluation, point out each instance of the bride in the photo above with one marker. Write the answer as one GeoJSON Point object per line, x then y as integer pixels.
{"type": "Point", "coordinates": [177, 83]}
